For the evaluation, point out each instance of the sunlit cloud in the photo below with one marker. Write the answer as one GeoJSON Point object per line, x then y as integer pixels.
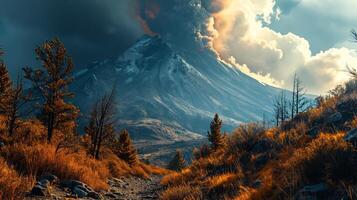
{"type": "Point", "coordinates": [239, 32]}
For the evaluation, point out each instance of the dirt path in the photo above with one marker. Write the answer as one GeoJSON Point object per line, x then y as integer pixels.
{"type": "Point", "coordinates": [125, 188]}
{"type": "Point", "coordinates": [134, 188]}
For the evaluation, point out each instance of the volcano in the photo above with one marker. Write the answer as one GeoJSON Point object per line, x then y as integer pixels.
{"type": "Point", "coordinates": [167, 94]}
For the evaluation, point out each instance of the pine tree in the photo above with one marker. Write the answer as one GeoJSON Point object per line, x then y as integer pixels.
{"type": "Point", "coordinates": [178, 162]}
{"type": "Point", "coordinates": [52, 83]}
{"type": "Point", "coordinates": [215, 136]}
{"type": "Point", "coordinates": [5, 85]}
{"type": "Point", "coordinates": [126, 150]}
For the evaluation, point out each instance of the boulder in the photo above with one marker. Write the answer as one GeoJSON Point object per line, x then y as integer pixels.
{"type": "Point", "coordinates": [72, 184]}
{"type": "Point", "coordinates": [80, 189]}
{"type": "Point", "coordinates": [78, 192]}
{"type": "Point", "coordinates": [39, 190]}
{"type": "Point", "coordinates": [335, 117]}
{"type": "Point", "coordinates": [44, 182]}
{"type": "Point", "coordinates": [49, 177]}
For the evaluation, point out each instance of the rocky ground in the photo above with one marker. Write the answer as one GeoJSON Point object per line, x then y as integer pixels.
{"type": "Point", "coordinates": [125, 188]}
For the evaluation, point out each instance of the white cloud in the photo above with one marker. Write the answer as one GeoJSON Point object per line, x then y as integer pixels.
{"type": "Point", "coordinates": [239, 33]}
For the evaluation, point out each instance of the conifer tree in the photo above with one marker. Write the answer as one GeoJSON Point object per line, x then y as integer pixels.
{"type": "Point", "coordinates": [215, 136]}
{"type": "Point", "coordinates": [52, 83]}
{"type": "Point", "coordinates": [5, 84]}
{"type": "Point", "coordinates": [126, 150]}
{"type": "Point", "coordinates": [178, 162]}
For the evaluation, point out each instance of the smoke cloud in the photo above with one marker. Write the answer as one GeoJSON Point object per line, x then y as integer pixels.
{"type": "Point", "coordinates": [237, 31]}
{"type": "Point", "coordinates": [90, 29]}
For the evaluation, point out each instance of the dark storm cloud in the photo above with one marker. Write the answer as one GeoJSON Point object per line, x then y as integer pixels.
{"type": "Point", "coordinates": [179, 21]}
{"type": "Point", "coordinates": [91, 29]}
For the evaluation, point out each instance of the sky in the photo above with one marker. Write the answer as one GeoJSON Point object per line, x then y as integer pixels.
{"type": "Point", "coordinates": [269, 40]}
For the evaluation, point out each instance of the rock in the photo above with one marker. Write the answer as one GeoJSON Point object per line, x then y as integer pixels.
{"type": "Point", "coordinates": [44, 182]}
{"type": "Point", "coordinates": [50, 177]}
{"type": "Point", "coordinates": [317, 191]}
{"type": "Point", "coordinates": [79, 192]}
{"type": "Point", "coordinates": [336, 117]}
{"type": "Point", "coordinates": [80, 189]}
{"type": "Point", "coordinates": [72, 184]}
{"type": "Point", "coordinates": [351, 136]}
{"type": "Point", "coordinates": [39, 190]}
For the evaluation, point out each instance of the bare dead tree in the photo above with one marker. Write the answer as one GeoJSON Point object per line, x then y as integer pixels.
{"type": "Point", "coordinates": [352, 71]}
{"type": "Point", "coordinates": [16, 107]}
{"type": "Point", "coordinates": [102, 122]}
{"type": "Point", "coordinates": [299, 102]}
{"type": "Point", "coordinates": [281, 108]}
{"type": "Point", "coordinates": [293, 98]}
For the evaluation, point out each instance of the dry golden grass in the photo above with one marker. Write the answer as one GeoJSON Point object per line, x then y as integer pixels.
{"type": "Point", "coordinates": [30, 155]}
{"type": "Point", "coordinates": [221, 180]}
{"type": "Point", "coordinates": [245, 193]}
{"type": "Point", "coordinates": [11, 184]}
{"type": "Point", "coordinates": [33, 161]}
{"type": "Point", "coordinates": [182, 192]}
{"type": "Point", "coordinates": [177, 178]}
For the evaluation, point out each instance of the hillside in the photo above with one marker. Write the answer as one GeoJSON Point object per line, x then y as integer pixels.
{"type": "Point", "coordinates": [312, 156]}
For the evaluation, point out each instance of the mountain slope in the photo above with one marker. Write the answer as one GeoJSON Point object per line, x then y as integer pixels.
{"type": "Point", "coordinates": [166, 94]}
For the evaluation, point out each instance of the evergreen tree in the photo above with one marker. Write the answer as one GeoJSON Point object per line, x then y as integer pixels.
{"type": "Point", "coordinates": [125, 149]}
{"type": "Point", "coordinates": [215, 136]}
{"type": "Point", "coordinates": [178, 162]}
{"type": "Point", "coordinates": [5, 85]}
{"type": "Point", "coordinates": [52, 83]}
